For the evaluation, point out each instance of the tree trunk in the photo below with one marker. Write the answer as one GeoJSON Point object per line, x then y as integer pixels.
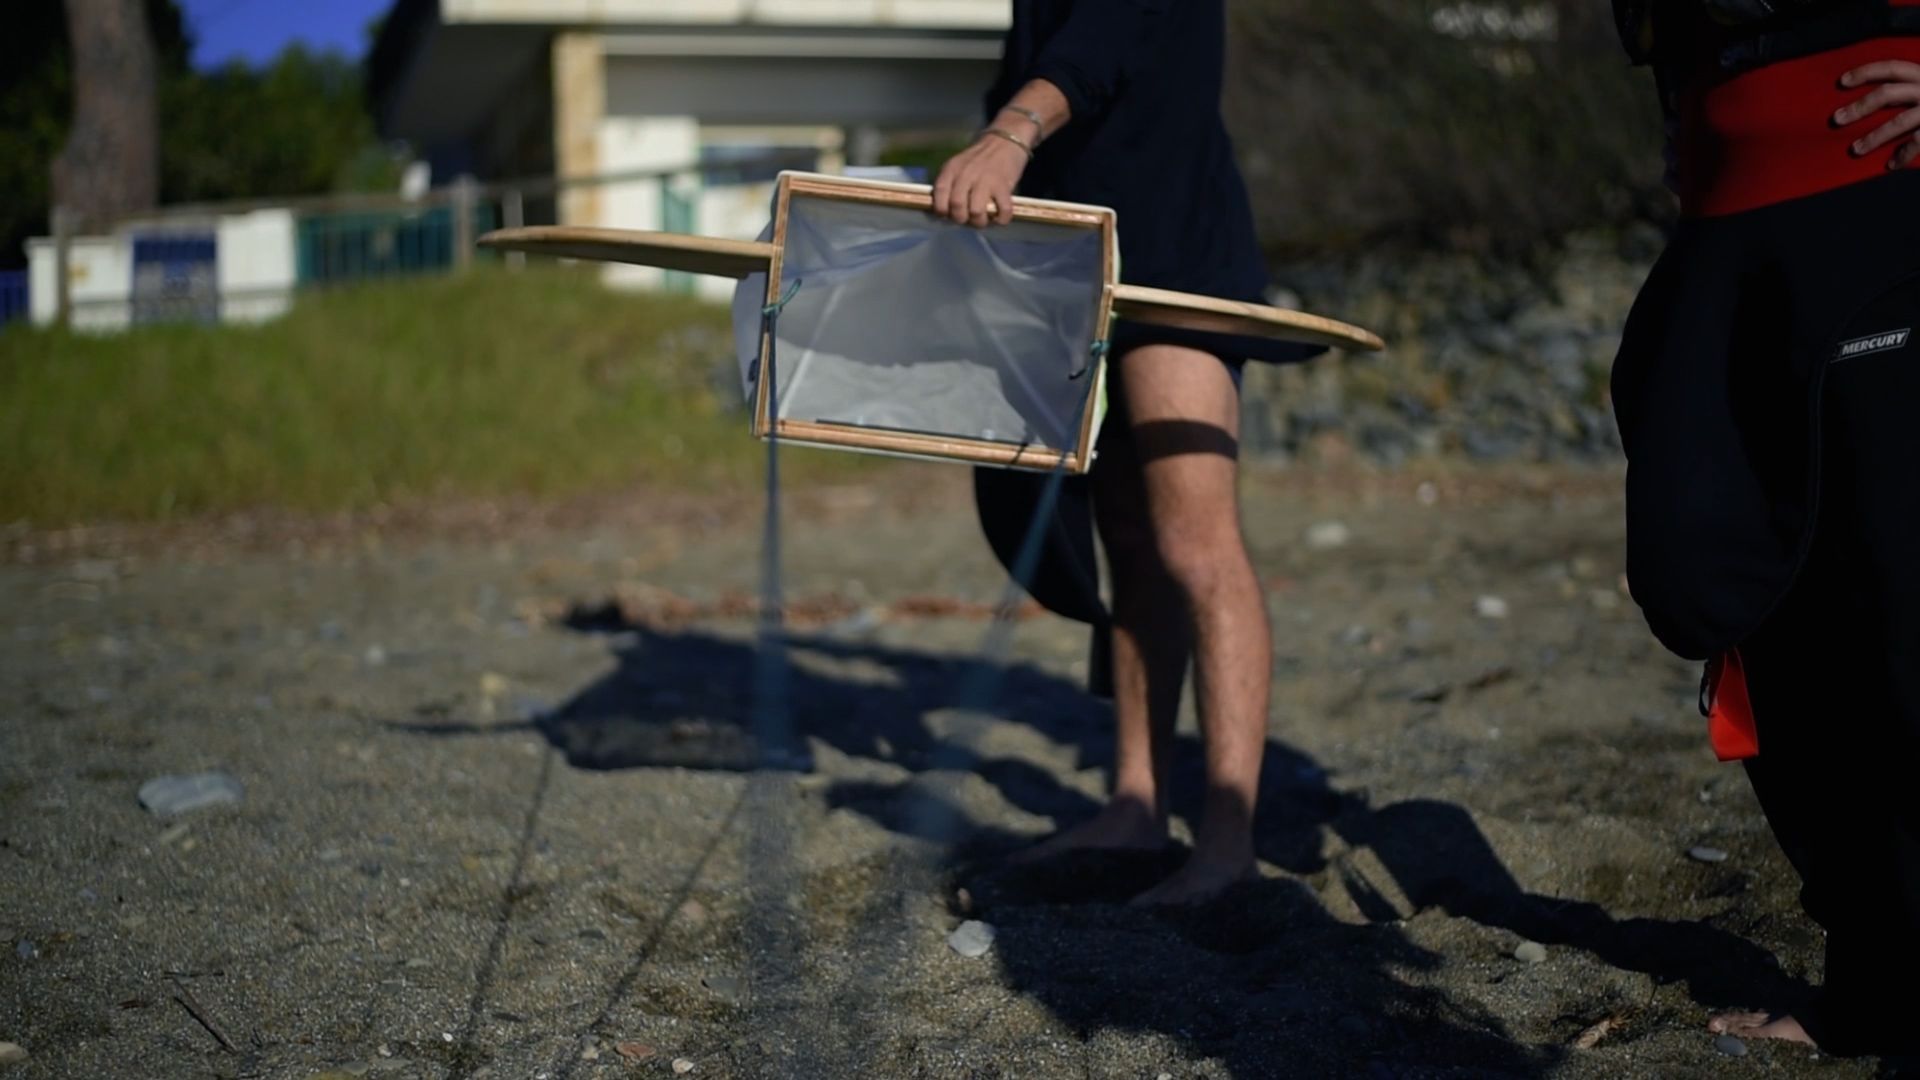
{"type": "Point", "coordinates": [110, 166]}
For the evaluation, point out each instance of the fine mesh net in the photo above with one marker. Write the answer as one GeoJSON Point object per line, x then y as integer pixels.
{"type": "Point", "coordinates": [905, 323]}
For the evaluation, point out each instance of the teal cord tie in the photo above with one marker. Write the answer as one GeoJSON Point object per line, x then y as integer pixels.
{"type": "Point", "coordinates": [769, 317]}
{"type": "Point", "coordinates": [772, 311]}
{"type": "Point", "coordinates": [1096, 353]}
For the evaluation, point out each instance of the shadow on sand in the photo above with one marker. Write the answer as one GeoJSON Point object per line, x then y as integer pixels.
{"type": "Point", "coordinates": [1265, 981]}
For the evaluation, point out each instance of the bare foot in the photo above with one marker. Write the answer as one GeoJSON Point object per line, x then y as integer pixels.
{"type": "Point", "coordinates": [1760, 1025]}
{"type": "Point", "coordinates": [1122, 825]}
{"type": "Point", "coordinates": [1200, 880]}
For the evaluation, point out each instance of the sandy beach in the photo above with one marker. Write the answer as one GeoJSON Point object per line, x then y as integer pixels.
{"type": "Point", "coordinates": [494, 820]}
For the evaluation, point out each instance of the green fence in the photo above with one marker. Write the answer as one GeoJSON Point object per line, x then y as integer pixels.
{"type": "Point", "coordinates": [355, 246]}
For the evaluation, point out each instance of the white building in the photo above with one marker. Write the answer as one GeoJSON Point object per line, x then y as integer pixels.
{"type": "Point", "coordinates": [230, 268]}
{"type": "Point", "coordinates": [577, 88]}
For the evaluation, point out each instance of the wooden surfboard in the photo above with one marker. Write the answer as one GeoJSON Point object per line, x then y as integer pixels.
{"type": "Point", "coordinates": [1163, 307]}
{"type": "Point", "coordinates": [741, 258]}
{"type": "Point", "coordinates": [668, 251]}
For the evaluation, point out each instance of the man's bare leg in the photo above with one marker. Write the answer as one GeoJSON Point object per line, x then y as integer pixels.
{"type": "Point", "coordinates": [1185, 412]}
{"type": "Point", "coordinates": [1181, 576]}
{"type": "Point", "coordinates": [1152, 646]}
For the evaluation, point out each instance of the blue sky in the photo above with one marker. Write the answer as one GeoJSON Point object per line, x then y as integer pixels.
{"type": "Point", "coordinates": [256, 30]}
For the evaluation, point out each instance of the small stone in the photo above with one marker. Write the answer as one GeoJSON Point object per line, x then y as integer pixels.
{"type": "Point", "coordinates": [591, 1053]}
{"type": "Point", "coordinates": [1355, 636]}
{"type": "Point", "coordinates": [681, 1066]}
{"type": "Point", "coordinates": [375, 656]}
{"type": "Point", "coordinates": [864, 621]}
{"type": "Point", "coordinates": [725, 987]}
{"type": "Point", "coordinates": [1707, 854]}
{"type": "Point", "coordinates": [1490, 607]}
{"type": "Point", "coordinates": [972, 939]}
{"type": "Point", "coordinates": [1164, 1076]}
{"type": "Point", "coordinates": [385, 1050]}
{"type": "Point", "coordinates": [1730, 1046]}
{"type": "Point", "coordinates": [1328, 535]}
{"type": "Point", "coordinates": [26, 950]}
{"type": "Point", "coordinates": [1428, 493]}
{"type": "Point", "coordinates": [633, 1051]}
{"type": "Point", "coordinates": [173, 834]}
{"type": "Point", "coordinates": [12, 1053]}
{"type": "Point", "coordinates": [1530, 952]}
{"type": "Point", "coordinates": [169, 795]}
{"type": "Point", "coordinates": [89, 896]}
{"type": "Point", "coordinates": [493, 685]}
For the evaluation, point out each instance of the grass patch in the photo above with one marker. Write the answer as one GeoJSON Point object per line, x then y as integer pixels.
{"type": "Point", "coordinates": [493, 383]}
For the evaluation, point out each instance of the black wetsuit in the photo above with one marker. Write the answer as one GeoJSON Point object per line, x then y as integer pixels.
{"type": "Point", "coordinates": [1765, 390]}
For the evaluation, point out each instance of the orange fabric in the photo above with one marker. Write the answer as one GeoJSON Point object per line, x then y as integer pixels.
{"type": "Point", "coordinates": [1766, 136]}
{"type": "Point", "coordinates": [1730, 724]}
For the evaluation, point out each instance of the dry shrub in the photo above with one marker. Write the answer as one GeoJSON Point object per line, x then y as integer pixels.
{"type": "Point", "coordinates": [1489, 126]}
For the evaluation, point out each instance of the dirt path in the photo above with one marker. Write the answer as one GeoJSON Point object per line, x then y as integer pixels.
{"type": "Point", "coordinates": [488, 828]}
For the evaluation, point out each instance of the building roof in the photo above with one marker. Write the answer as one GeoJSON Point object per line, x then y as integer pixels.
{"type": "Point", "coordinates": [440, 68]}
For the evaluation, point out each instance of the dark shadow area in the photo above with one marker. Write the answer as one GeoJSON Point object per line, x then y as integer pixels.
{"type": "Point", "coordinates": [1263, 976]}
{"type": "Point", "coordinates": [1157, 439]}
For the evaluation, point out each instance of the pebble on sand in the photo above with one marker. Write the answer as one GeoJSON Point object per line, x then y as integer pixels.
{"type": "Point", "coordinates": [681, 1066]}
{"type": "Point", "coordinates": [972, 939]}
{"type": "Point", "coordinates": [168, 795]}
{"type": "Point", "coordinates": [1328, 535]}
{"type": "Point", "coordinates": [12, 1053]}
{"type": "Point", "coordinates": [1490, 607]}
{"type": "Point", "coordinates": [1530, 952]}
{"type": "Point", "coordinates": [1730, 1046]}
{"type": "Point", "coordinates": [1707, 854]}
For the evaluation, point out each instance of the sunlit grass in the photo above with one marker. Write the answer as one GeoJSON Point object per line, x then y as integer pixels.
{"type": "Point", "coordinates": [493, 383]}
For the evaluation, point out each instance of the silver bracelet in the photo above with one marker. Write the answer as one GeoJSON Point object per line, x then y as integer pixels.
{"type": "Point", "coordinates": [1002, 133]}
{"type": "Point", "coordinates": [1039, 125]}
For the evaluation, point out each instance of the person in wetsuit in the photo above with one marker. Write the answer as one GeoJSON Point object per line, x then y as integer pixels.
{"type": "Point", "coordinates": [1765, 391]}
{"type": "Point", "coordinates": [1117, 103]}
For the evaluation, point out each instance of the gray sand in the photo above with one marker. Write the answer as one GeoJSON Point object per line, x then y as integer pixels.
{"type": "Point", "coordinates": [478, 841]}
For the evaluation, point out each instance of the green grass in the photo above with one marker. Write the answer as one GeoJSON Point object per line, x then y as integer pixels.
{"type": "Point", "coordinates": [538, 383]}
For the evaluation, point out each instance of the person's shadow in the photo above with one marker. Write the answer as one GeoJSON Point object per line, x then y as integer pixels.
{"type": "Point", "coordinates": [1266, 981]}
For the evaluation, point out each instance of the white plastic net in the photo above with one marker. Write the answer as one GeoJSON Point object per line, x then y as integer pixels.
{"type": "Point", "coordinates": [905, 323]}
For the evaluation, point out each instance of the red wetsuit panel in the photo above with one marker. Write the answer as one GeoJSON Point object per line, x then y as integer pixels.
{"type": "Point", "coordinates": [1730, 725]}
{"type": "Point", "coordinates": [1766, 136]}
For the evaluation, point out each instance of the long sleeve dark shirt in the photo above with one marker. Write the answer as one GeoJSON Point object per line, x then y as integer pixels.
{"type": "Point", "coordinates": [1143, 79]}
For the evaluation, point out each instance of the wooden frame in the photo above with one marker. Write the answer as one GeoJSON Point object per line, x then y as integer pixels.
{"type": "Point", "coordinates": [742, 259]}
{"type": "Point", "coordinates": [1075, 459]}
